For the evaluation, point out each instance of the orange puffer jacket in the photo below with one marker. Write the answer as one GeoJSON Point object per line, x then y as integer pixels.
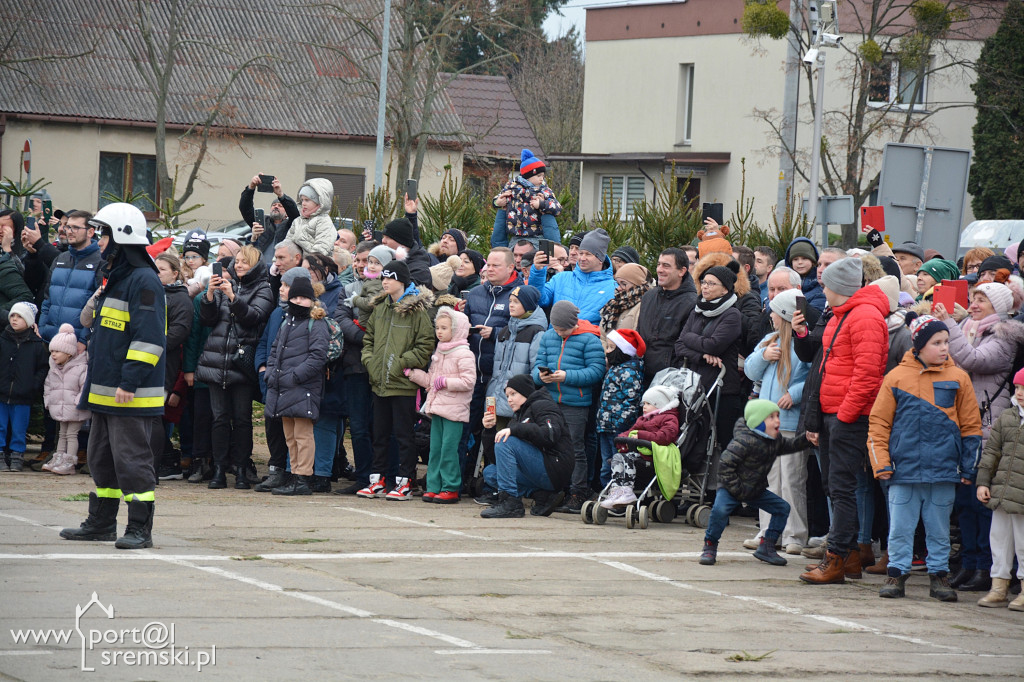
{"type": "Point", "coordinates": [852, 373]}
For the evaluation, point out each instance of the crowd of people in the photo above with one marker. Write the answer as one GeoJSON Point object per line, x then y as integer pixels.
{"type": "Point", "coordinates": [852, 406]}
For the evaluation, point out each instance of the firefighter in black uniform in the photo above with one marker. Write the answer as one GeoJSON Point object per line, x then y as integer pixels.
{"type": "Point", "coordinates": [124, 387]}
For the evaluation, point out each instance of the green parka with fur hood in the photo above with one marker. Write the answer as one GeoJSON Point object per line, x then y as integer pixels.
{"type": "Point", "coordinates": [316, 234]}
{"type": "Point", "coordinates": [1002, 463]}
{"type": "Point", "coordinates": [399, 335]}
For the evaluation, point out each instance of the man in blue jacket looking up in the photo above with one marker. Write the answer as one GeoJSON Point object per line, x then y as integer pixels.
{"type": "Point", "coordinates": [588, 286]}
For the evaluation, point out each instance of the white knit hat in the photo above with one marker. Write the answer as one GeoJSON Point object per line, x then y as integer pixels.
{"type": "Point", "coordinates": [662, 397]}
{"type": "Point", "coordinates": [999, 295]}
{"type": "Point", "coordinates": [27, 311]}
{"type": "Point", "coordinates": [784, 303]}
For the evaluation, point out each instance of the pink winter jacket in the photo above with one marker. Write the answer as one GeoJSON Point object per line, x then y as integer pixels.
{"type": "Point", "coordinates": [63, 388]}
{"type": "Point", "coordinates": [454, 361]}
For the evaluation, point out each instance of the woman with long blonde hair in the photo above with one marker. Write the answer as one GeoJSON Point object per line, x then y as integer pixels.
{"type": "Point", "coordinates": [775, 366]}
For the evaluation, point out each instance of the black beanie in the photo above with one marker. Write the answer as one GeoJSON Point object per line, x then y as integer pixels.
{"type": "Point", "coordinates": [577, 239]}
{"type": "Point", "coordinates": [197, 243]}
{"type": "Point", "coordinates": [475, 258]}
{"type": "Point", "coordinates": [458, 235]}
{"type": "Point", "coordinates": [724, 275]}
{"type": "Point", "coordinates": [522, 384]}
{"type": "Point", "coordinates": [891, 267]}
{"type": "Point", "coordinates": [397, 270]}
{"type": "Point", "coordinates": [401, 231]}
{"type": "Point", "coordinates": [301, 287]}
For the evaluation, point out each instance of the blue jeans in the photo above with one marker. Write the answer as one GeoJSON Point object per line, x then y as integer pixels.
{"type": "Point", "coordinates": [326, 431]}
{"type": "Point", "coordinates": [518, 469]}
{"type": "Point", "coordinates": [606, 441]}
{"type": "Point", "coordinates": [865, 506]}
{"type": "Point", "coordinates": [18, 416]}
{"type": "Point", "coordinates": [928, 502]}
{"type": "Point", "coordinates": [726, 504]}
{"type": "Point", "coordinates": [975, 521]}
{"type": "Point", "coordinates": [360, 424]}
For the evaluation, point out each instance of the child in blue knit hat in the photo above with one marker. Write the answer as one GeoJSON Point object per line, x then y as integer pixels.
{"type": "Point", "coordinates": [526, 206]}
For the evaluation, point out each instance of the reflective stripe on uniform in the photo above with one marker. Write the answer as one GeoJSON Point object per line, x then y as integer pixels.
{"type": "Point", "coordinates": [115, 309]}
{"type": "Point", "coordinates": [144, 397]}
{"type": "Point", "coordinates": [144, 352]}
{"type": "Point", "coordinates": [141, 497]}
{"type": "Point", "coordinates": [111, 493]}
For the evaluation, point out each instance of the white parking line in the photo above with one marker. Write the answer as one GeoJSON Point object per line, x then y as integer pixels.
{"type": "Point", "coordinates": [359, 556]}
{"type": "Point", "coordinates": [413, 522]}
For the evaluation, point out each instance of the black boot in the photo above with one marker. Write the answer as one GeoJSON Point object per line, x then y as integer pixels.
{"type": "Point", "coordinates": [939, 587]}
{"type": "Point", "coordinates": [220, 478]}
{"type": "Point", "coordinates": [299, 485]}
{"type": "Point", "coordinates": [981, 581]}
{"type": "Point", "coordinates": [241, 482]}
{"type": "Point", "coordinates": [320, 484]}
{"type": "Point", "coordinates": [766, 551]}
{"type": "Point", "coordinates": [508, 507]}
{"type": "Point", "coordinates": [276, 479]}
{"type": "Point", "coordinates": [101, 524]}
{"type": "Point", "coordinates": [962, 576]}
{"type": "Point", "coordinates": [138, 534]}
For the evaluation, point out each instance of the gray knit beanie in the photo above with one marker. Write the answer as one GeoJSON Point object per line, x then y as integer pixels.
{"type": "Point", "coordinates": [564, 315]}
{"type": "Point", "coordinates": [844, 276]}
{"type": "Point", "coordinates": [384, 254]}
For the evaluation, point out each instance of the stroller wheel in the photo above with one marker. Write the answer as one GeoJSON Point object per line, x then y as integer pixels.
{"type": "Point", "coordinates": [585, 512]}
{"type": "Point", "coordinates": [599, 513]}
{"type": "Point", "coordinates": [666, 511]}
{"type": "Point", "coordinates": [701, 516]}
{"type": "Point", "coordinates": [645, 517]}
{"type": "Point", "coordinates": [630, 516]}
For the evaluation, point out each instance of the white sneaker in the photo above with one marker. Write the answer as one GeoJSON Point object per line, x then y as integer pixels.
{"type": "Point", "coordinates": [620, 495]}
{"type": "Point", "coordinates": [63, 464]}
{"type": "Point", "coordinates": [817, 541]}
{"type": "Point", "coordinates": [794, 548]}
{"type": "Point", "coordinates": [401, 492]}
{"type": "Point", "coordinates": [376, 487]}
{"type": "Point", "coordinates": [752, 543]}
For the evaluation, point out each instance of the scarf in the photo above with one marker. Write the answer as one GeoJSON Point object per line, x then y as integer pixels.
{"type": "Point", "coordinates": [445, 347]}
{"type": "Point", "coordinates": [623, 301]}
{"type": "Point", "coordinates": [975, 329]}
{"type": "Point", "coordinates": [714, 307]}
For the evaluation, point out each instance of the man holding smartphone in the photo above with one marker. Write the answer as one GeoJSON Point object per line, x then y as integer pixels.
{"type": "Point", "coordinates": [283, 210]}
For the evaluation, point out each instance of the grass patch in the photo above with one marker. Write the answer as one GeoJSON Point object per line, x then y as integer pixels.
{"type": "Point", "coordinates": [77, 497]}
{"type": "Point", "coordinates": [840, 631]}
{"type": "Point", "coordinates": [510, 635]}
{"type": "Point", "coordinates": [965, 628]}
{"type": "Point", "coordinates": [743, 656]}
{"type": "Point", "coordinates": [495, 595]}
{"type": "Point", "coordinates": [252, 557]}
{"type": "Point", "coordinates": [302, 541]}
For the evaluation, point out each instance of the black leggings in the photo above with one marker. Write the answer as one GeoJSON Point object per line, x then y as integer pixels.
{"type": "Point", "coordinates": [231, 408]}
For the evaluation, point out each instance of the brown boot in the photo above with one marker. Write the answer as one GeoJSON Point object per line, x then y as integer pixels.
{"type": "Point", "coordinates": [829, 572]}
{"type": "Point", "coordinates": [881, 566]}
{"type": "Point", "coordinates": [851, 565]}
{"type": "Point", "coordinates": [867, 555]}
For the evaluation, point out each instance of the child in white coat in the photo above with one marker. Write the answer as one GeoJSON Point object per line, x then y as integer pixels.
{"type": "Point", "coordinates": [61, 393]}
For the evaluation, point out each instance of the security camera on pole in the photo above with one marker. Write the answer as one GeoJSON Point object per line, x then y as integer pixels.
{"type": "Point", "coordinates": [823, 17]}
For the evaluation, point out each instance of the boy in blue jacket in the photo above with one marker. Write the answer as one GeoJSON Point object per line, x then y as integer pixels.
{"type": "Point", "coordinates": [570, 361]}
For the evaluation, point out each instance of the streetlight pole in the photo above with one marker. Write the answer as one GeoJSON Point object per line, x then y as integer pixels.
{"type": "Point", "coordinates": [382, 96]}
{"type": "Point", "coordinates": [812, 204]}
{"type": "Point", "coordinates": [790, 113]}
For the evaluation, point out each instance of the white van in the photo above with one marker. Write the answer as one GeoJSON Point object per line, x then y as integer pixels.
{"type": "Point", "coordinates": [990, 234]}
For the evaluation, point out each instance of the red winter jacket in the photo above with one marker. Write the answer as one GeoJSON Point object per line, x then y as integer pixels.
{"type": "Point", "coordinates": [853, 371]}
{"type": "Point", "coordinates": [658, 427]}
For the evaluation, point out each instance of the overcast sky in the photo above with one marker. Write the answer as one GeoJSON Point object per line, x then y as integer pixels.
{"type": "Point", "coordinates": [573, 14]}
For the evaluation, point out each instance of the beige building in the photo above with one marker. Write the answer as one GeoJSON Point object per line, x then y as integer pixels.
{"type": "Point", "coordinates": [677, 83]}
{"type": "Point", "coordinates": [307, 108]}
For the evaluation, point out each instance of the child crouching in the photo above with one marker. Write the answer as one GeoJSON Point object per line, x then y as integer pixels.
{"type": "Point", "coordinates": [743, 477]}
{"type": "Point", "coordinates": [659, 424]}
{"type": "Point", "coordinates": [1001, 489]}
{"type": "Point", "coordinates": [449, 383]}
{"type": "Point", "coordinates": [924, 437]}
{"type": "Point", "coordinates": [61, 393]}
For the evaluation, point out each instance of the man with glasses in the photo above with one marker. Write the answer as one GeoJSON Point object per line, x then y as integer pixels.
{"type": "Point", "coordinates": [74, 277]}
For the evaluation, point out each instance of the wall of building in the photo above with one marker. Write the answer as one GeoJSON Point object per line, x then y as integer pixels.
{"type": "Point", "coordinates": [68, 155]}
{"type": "Point", "coordinates": [634, 98]}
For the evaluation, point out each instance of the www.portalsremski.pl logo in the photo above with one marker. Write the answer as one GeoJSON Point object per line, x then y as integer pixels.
{"type": "Point", "coordinates": [149, 645]}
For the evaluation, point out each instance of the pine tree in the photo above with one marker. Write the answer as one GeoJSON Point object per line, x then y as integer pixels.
{"type": "Point", "coordinates": [996, 182]}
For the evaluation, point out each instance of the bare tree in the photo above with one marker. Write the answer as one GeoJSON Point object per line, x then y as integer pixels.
{"type": "Point", "coordinates": [902, 45]}
{"type": "Point", "coordinates": [161, 33]}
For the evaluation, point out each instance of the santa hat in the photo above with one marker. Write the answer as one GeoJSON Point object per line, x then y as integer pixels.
{"type": "Point", "coordinates": [628, 341]}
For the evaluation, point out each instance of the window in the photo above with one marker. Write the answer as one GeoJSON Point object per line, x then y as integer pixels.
{"type": "Point", "coordinates": [684, 116]}
{"type": "Point", "coordinates": [890, 84]}
{"type": "Point", "coordinates": [622, 190]}
{"type": "Point", "coordinates": [123, 175]}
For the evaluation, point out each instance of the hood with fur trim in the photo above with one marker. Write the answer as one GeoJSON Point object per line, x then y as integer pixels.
{"type": "Point", "coordinates": [715, 259]}
{"type": "Point", "coordinates": [412, 300]}
{"type": "Point", "coordinates": [460, 322]}
{"type": "Point", "coordinates": [324, 191]}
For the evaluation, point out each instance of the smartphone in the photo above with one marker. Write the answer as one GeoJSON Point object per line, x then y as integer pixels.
{"type": "Point", "coordinates": [464, 295]}
{"type": "Point", "coordinates": [266, 183]}
{"type": "Point", "coordinates": [261, 216]}
{"type": "Point", "coordinates": [490, 405]}
{"type": "Point", "coordinates": [474, 330]}
{"type": "Point", "coordinates": [543, 370]}
{"type": "Point", "coordinates": [801, 305]}
{"type": "Point", "coordinates": [715, 211]}
{"type": "Point", "coordinates": [548, 247]}
{"type": "Point", "coordinates": [410, 189]}
{"type": "Point", "coordinates": [47, 211]}
{"type": "Point", "coordinates": [217, 268]}
{"type": "Point", "coordinates": [368, 227]}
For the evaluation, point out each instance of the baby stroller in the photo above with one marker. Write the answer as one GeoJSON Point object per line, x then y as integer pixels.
{"type": "Point", "coordinates": [689, 463]}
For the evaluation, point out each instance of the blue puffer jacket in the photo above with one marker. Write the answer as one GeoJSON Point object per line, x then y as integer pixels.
{"type": "Point", "coordinates": [588, 291]}
{"type": "Point", "coordinates": [515, 352]}
{"type": "Point", "coordinates": [581, 357]}
{"type": "Point", "coordinates": [332, 292]}
{"type": "Point", "coordinates": [73, 279]}
{"type": "Point", "coordinates": [809, 284]}
{"type": "Point", "coordinates": [757, 368]}
{"type": "Point", "coordinates": [487, 304]}
{"type": "Point", "coordinates": [621, 395]}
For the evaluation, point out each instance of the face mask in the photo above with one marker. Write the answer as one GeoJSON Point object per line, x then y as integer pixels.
{"type": "Point", "coordinates": [296, 310]}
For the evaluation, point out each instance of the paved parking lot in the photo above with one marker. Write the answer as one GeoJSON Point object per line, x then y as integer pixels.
{"type": "Point", "coordinates": [342, 588]}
